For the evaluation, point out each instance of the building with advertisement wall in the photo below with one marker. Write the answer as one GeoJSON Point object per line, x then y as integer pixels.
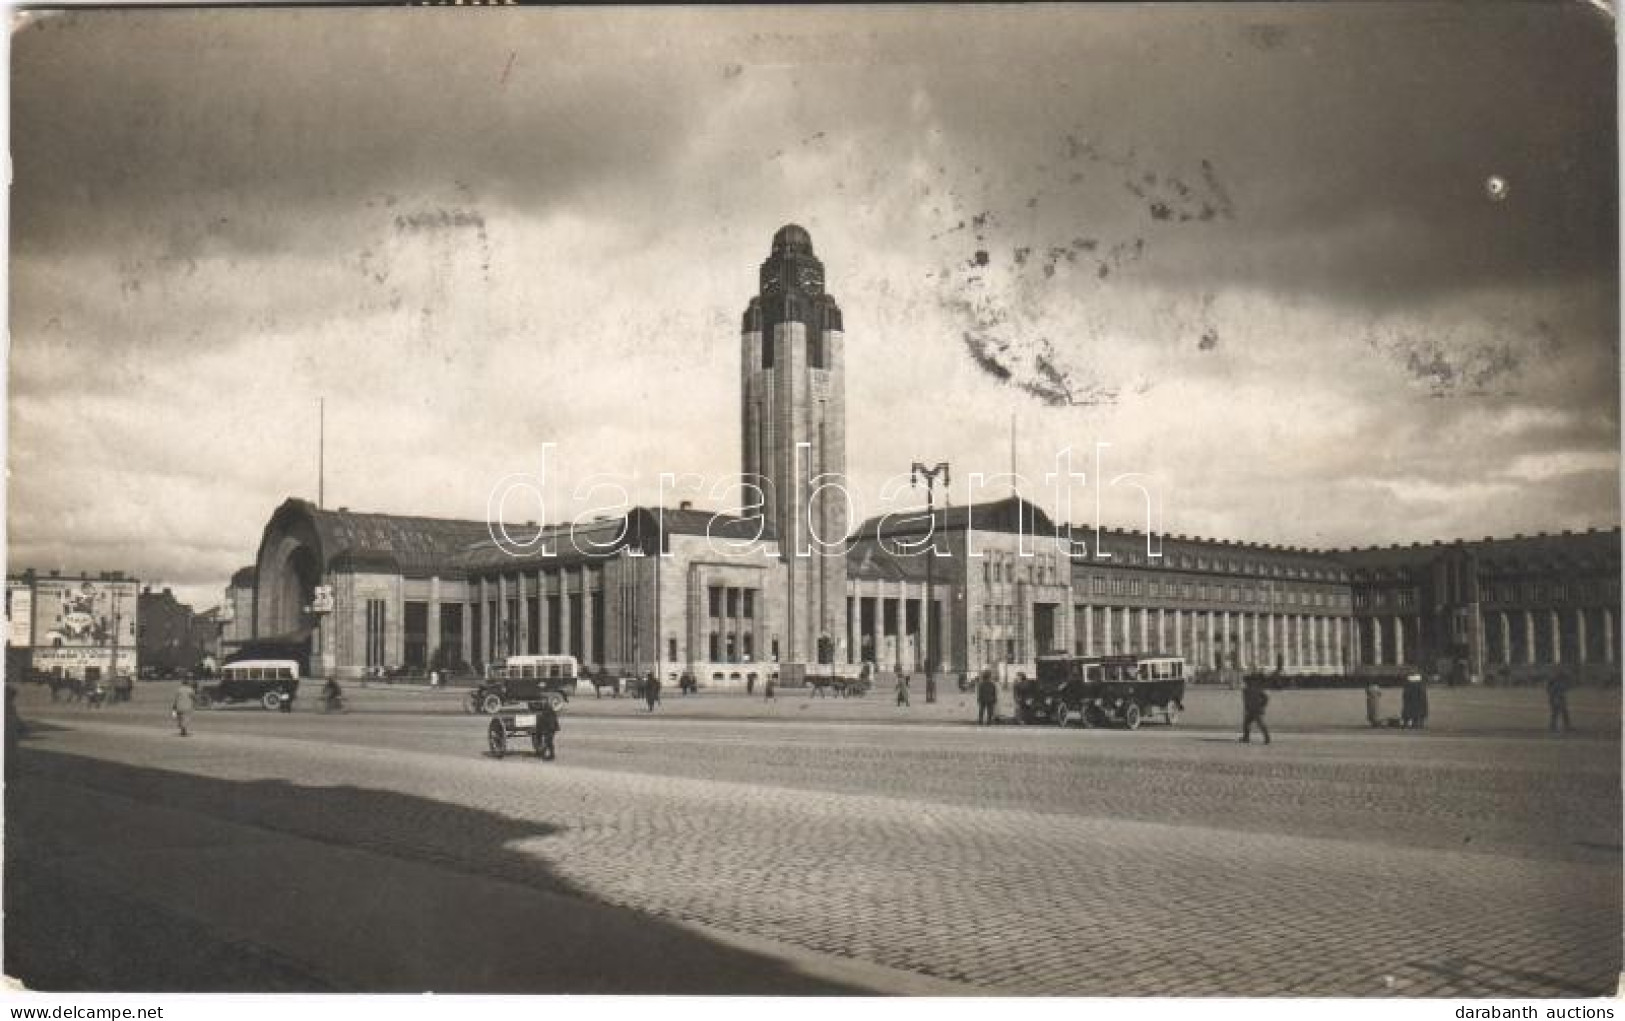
{"type": "Point", "coordinates": [81, 626]}
{"type": "Point", "coordinates": [731, 596]}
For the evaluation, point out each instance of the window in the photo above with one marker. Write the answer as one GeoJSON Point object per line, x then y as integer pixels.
{"type": "Point", "coordinates": [716, 602]}
{"type": "Point", "coordinates": [748, 610]}
{"type": "Point", "coordinates": [671, 649]}
{"type": "Point", "coordinates": [733, 602]}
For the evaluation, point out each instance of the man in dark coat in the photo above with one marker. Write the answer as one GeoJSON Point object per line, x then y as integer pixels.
{"type": "Point", "coordinates": [547, 724]}
{"type": "Point", "coordinates": [1412, 703]}
{"type": "Point", "coordinates": [651, 690]}
{"type": "Point", "coordinates": [1557, 696]}
{"type": "Point", "coordinates": [1254, 699]}
{"type": "Point", "coordinates": [987, 700]}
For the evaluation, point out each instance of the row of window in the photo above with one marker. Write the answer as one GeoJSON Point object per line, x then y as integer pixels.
{"type": "Point", "coordinates": [1041, 569]}
{"type": "Point", "coordinates": [1229, 565]}
{"type": "Point", "coordinates": [1589, 591]}
{"type": "Point", "coordinates": [1399, 598]}
{"type": "Point", "coordinates": [732, 602]}
{"type": "Point", "coordinates": [1208, 591]}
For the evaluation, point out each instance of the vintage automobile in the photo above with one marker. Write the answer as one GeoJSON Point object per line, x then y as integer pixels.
{"type": "Point", "coordinates": [271, 682]}
{"type": "Point", "coordinates": [526, 680]}
{"type": "Point", "coordinates": [1096, 690]}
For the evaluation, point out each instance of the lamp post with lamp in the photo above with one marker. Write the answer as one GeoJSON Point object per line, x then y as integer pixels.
{"type": "Point", "coordinates": [930, 475]}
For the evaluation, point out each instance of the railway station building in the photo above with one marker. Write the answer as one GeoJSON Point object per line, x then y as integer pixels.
{"type": "Point", "coordinates": [726, 597]}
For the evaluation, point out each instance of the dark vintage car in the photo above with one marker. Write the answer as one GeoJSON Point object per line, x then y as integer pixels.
{"type": "Point", "coordinates": [272, 683]}
{"type": "Point", "coordinates": [1096, 690]}
{"type": "Point", "coordinates": [525, 680]}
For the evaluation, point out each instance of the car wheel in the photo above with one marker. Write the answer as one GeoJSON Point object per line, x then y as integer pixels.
{"type": "Point", "coordinates": [497, 738]}
{"type": "Point", "coordinates": [1131, 716]}
{"type": "Point", "coordinates": [491, 704]}
{"type": "Point", "coordinates": [556, 699]}
{"type": "Point", "coordinates": [1061, 714]}
{"type": "Point", "coordinates": [271, 700]}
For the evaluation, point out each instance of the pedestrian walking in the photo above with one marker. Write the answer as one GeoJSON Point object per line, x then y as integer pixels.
{"type": "Point", "coordinates": [1373, 703]}
{"type": "Point", "coordinates": [185, 702]}
{"type": "Point", "coordinates": [1419, 711]}
{"type": "Point", "coordinates": [547, 725]}
{"type": "Point", "coordinates": [902, 687]}
{"type": "Point", "coordinates": [750, 685]}
{"type": "Point", "coordinates": [1407, 701]}
{"type": "Point", "coordinates": [987, 701]}
{"type": "Point", "coordinates": [1557, 697]}
{"type": "Point", "coordinates": [931, 683]}
{"type": "Point", "coordinates": [651, 691]}
{"type": "Point", "coordinates": [687, 684]}
{"type": "Point", "coordinates": [767, 688]}
{"type": "Point", "coordinates": [1254, 700]}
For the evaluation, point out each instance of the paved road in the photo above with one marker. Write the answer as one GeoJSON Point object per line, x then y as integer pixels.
{"type": "Point", "coordinates": [696, 851]}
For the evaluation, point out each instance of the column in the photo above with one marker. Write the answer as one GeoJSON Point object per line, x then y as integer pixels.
{"type": "Point", "coordinates": [1145, 631]}
{"type": "Point", "coordinates": [504, 643]}
{"type": "Point", "coordinates": [432, 638]}
{"type": "Point", "coordinates": [467, 637]}
{"type": "Point", "coordinates": [1162, 631]}
{"type": "Point", "coordinates": [586, 621]}
{"type": "Point", "coordinates": [925, 631]}
{"type": "Point", "coordinates": [1580, 635]}
{"type": "Point", "coordinates": [541, 612]}
{"type": "Point", "coordinates": [522, 625]}
{"type": "Point", "coordinates": [485, 620]}
{"type": "Point", "coordinates": [1088, 630]}
{"type": "Point", "coordinates": [877, 629]}
{"type": "Point", "coordinates": [1557, 637]}
{"type": "Point", "coordinates": [1179, 632]}
{"type": "Point", "coordinates": [1399, 641]}
{"type": "Point", "coordinates": [853, 628]}
{"type": "Point", "coordinates": [1376, 640]}
{"type": "Point", "coordinates": [1269, 640]}
{"type": "Point", "coordinates": [1505, 620]}
{"type": "Point", "coordinates": [1529, 637]}
{"type": "Point", "coordinates": [564, 618]}
{"type": "Point", "coordinates": [1106, 626]}
{"type": "Point", "coordinates": [1608, 636]}
{"type": "Point", "coordinates": [1211, 647]}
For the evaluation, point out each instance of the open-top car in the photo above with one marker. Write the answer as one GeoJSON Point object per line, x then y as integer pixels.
{"type": "Point", "coordinates": [271, 682]}
{"type": "Point", "coordinates": [525, 680]}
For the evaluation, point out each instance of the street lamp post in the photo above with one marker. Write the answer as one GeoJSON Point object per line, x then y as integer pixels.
{"type": "Point", "coordinates": [930, 475]}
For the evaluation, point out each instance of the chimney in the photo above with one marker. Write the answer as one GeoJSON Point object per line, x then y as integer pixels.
{"type": "Point", "coordinates": [687, 505]}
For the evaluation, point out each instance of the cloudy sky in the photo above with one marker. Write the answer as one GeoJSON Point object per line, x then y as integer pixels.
{"type": "Point", "coordinates": [1256, 249]}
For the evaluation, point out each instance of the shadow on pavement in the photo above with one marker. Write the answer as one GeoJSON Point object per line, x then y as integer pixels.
{"type": "Point", "coordinates": [118, 877]}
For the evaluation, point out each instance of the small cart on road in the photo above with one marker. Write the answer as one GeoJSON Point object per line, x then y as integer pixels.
{"type": "Point", "coordinates": [513, 725]}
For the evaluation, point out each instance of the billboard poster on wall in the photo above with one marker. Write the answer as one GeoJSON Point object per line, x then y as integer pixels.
{"type": "Point", "coordinates": [19, 615]}
{"type": "Point", "coordinates": [81, 613]}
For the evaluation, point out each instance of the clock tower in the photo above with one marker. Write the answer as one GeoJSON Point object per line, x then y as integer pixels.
{"type": "Point", "coordinates": [793, 405]}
